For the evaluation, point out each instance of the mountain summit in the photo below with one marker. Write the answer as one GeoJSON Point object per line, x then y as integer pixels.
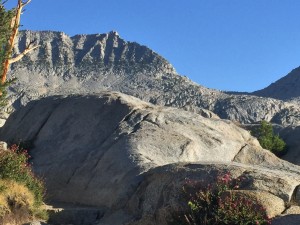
{"type": "Point", "coordinates": [100, 62]}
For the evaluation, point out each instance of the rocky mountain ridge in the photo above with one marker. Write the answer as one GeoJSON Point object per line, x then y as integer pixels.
{"type": "Point", "coordinates": [286, 88]}
{"type": "Point", "coordinates": [92, 63]}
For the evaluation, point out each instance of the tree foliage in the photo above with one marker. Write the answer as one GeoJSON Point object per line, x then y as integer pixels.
{"type": "Point", "coordinates": [6, 17]}
{"type": "Point", "coordinates": [267, 138]}
{"type": "Point", "coordinates": [9, 27]}
{"type": "Point", "coordinates": [5, 31]}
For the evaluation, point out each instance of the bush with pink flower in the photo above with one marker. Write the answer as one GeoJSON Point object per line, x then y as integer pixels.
{"type": "Point", "coordinates": [218, 204]}
{"type": "Point", "coordinates": [16, 168]}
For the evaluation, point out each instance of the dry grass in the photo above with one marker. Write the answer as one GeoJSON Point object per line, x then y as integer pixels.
{"type": "Point", "coordinates": [16, 203]}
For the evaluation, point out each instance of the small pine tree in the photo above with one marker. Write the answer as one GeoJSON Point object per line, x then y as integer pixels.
{"type": "Point", "coordinates": [278, 144]}
{"type": "Point", "coordinates": [267, 139]}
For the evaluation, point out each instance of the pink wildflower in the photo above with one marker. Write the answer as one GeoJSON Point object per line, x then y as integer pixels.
{"type": "Point", "coordinates": [226, 178]}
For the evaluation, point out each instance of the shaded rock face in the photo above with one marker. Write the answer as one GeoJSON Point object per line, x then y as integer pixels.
{"type": "Point", "coordinates": [86, 64]}
{"type": "Point", "coordinates": [292, 136]}
{"type": "Point", "coordinates": [131, 158]}
{"type": "Point", "coordinates": [286, 88]}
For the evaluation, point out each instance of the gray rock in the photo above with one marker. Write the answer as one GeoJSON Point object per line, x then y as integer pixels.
{"type": "Point", "coordinates": [132, 135]}
{"type": "Point", "coordinates": [75, 215]}
{"type": "Point", "coordinates": [289, 116]}
{"type": "Point", "coordinates": [131, 158]}
{"type": "Point", "coordinates": [3, 146]}
{"type": "Point", "coordinates": [289, 219]}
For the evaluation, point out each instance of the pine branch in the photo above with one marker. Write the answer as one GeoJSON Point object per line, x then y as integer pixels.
{"type": "Point", "coordinates": [21, 55]}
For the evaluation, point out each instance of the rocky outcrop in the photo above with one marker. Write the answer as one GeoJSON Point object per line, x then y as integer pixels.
{"type": "Point", "coordinates": [164, 183]}
{"type": "Point", "coordinates": [286, 88]}
{"type": "Point", "coordinates": [87, 64]}
{"type": "Point", "coordinates": [131, 158]}
{"type": "Point", "coordinates": [250, 109]}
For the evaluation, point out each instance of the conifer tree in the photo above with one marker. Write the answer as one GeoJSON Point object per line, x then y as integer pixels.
{"type": "Point", "coordinates": [9, 27]}
{"type": "Point", "coordinates": [267, 139]}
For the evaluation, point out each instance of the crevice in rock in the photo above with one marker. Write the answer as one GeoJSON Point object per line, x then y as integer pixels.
{"type": "Point", "coordinates": [149, 159]}
{"type": "Point", "coordinates": [146, 119]}
{"type": "Point", "coordinates": [138, 124]}
{"type": "Point", "coordinates": [295, 196]}
{"type": "Point", "coordinates": [236, 155]}
{"type": "Point", "coordinates": [287, 206]}
{"type": "Point", "coordinates": [72, 175]}
{"type": "Point", "coordinates": [183, 147]}
{"type": "Point", "coordinates": [126, 118]}
{"type": "Point", "coordinates": [44, 123]}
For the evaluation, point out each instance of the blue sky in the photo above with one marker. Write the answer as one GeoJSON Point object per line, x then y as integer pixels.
{"type": "Point", "coordinates": [237, 45]}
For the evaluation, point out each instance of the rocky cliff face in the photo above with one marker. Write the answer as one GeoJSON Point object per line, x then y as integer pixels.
{"type": "Point", "coordinates": [93, 63]}
{"type": "Point", "coordinates": [286, 88]}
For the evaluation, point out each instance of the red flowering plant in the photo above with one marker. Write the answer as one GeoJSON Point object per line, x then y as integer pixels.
{"type": "Point", "coordinates": [14, 165]}
{"type": "Point", "coordinates": [218, 204]}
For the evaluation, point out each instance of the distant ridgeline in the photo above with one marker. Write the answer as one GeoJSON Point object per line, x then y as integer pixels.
{"type": "Point", "coordinates": [286, 88]}
{"type": "Point", "coordinates": [92, 63]}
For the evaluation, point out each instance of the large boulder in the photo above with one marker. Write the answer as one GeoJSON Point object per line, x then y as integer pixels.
{"type": "Point", "coordinates": [156, 196]}
{"type": "Point", "coordinates": [119, 153]}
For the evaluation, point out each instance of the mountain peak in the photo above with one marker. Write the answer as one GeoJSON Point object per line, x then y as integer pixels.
{"type": "Point", "coordinates": [61, 52]}
{"type": "Point", "coordinates": [286, 88]}
{"type": "Point", "coordinates": [114, 33]}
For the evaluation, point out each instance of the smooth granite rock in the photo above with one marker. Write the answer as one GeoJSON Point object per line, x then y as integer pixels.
{"type": "Point", "coordinates": [130, 158]}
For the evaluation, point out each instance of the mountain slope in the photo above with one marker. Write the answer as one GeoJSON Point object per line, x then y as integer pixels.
{"type": "Point", "coordinates": [86, 64]}
{"type": "Point", "coordinates": [285, 88]}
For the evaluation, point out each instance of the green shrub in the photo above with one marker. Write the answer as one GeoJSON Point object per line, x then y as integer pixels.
{"type": "Point", "coordinates": [14, 166]}
{"type": "Point", "coordinates": [217, 205]}
{"type": "Point", "coordinates": [267, 139]}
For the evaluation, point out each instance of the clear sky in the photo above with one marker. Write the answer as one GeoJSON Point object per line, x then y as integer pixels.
{"type": "Point", "coordinates": [237, 45]}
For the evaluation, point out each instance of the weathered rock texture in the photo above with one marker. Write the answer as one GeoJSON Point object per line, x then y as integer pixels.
{"type": "Point", "coordinates": [131, 158]}
{"type": "Point", "coordinates": [91, 63]}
